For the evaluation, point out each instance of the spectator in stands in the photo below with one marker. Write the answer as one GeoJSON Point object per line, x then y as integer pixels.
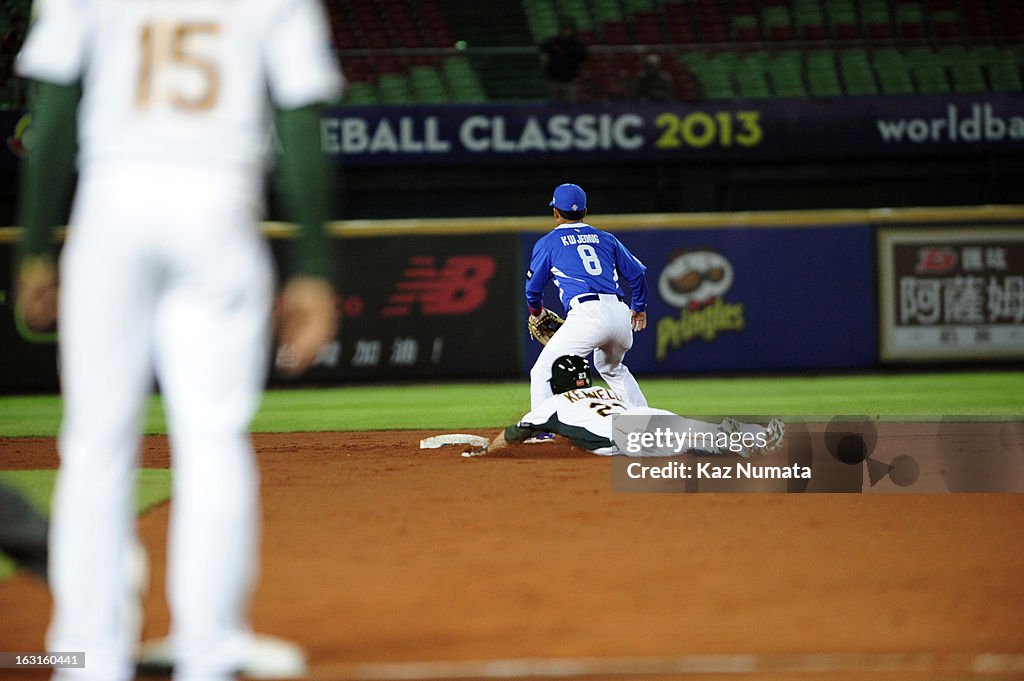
{"type": "Point", "coordinates": [653, 84]}
{"type": "Point", "coordinates": [562, 57]}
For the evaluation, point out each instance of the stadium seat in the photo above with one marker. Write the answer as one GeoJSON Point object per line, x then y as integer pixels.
{"type": "Point", "coordinates": [427, 85]}
{"type": "Point", "coordinates": [751, 80]}
{"type": "Point", "coordinates": [892, 72]}
{"type": "Point", "coordinates": [822, 77]}
{"type": "Point", "coordinates": [909, 17]}
{"type": "Point", "coordinates": [714, 74]}
{"type": "Point", "coordinates": [967, 78]}
{"type": "Point", "coordinates": [1004, 77]}
{"type": "Point", "coordinates": [846, 31]}
{"type": "Point", "coordinates": [647, 28]}
{"type": "Point", "coordinates": [809, 19]}
{"type": "Point", "coordinates": [931, 79]}
{"type": "Point", "coordinates": [616, 33]}
{"type": "Point", "coordinates": [745, 28]}
{"type": "Point", "coordinates": [542, 18]}
{"type": "Point", "coordinates": [462, 81]}
{"type": "Point", "coordinates": [778, 23]}
{"type": "Point", "coordinates": [393, 88]}
{"type": "Point", "coordinates": [606, 11]}
{"type": "Point", "coordinates": [577, 12]}
{"type": "Point", "coordinates": [977, 22]}
{"type": "Point", "coordinates": [944, 24]}
{"type": "Point", "coordinates": [855, 69]}
{"type": "Point", "coordinates": [785, 73]}
{"type": "Point", "coordinates": [359, 93]}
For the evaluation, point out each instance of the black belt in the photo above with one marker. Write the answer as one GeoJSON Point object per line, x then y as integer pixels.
{"type": "Point", "coordinates": [588, 297]}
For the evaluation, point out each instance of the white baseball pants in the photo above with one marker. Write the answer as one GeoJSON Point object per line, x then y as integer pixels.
{"type": "Point", "coordinates": [164, 272]}
{"type": "Point", "coordinates": [604, 326]}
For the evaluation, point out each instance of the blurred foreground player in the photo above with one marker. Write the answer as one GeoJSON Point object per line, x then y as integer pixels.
{"type": "Point", "coordinates": [583, 414]}
{"type": "Point", "coordinates": [165, 271]}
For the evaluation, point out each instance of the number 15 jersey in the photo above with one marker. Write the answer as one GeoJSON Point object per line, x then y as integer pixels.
{"type": "Point", "coordinates": [182, 80]}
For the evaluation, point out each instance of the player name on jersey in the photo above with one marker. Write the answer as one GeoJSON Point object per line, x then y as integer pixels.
{"type": "Point", "coordinates": [590, 394]}
{"type": "Point", "coordinates": [574, 239]}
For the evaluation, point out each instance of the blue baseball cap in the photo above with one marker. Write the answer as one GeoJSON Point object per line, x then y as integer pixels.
{"type": "Point", "coordinates": [569, 197]}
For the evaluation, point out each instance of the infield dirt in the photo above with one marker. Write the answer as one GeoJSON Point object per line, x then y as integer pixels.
{"type": "Point", "coordinates": [376, 551]}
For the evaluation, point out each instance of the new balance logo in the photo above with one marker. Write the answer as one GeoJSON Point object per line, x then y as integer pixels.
{"type": "Point", "coordinates": [458, 287]}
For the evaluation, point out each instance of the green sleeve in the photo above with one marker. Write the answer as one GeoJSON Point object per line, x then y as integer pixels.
{"type": "Point", "coordinates": [47, 175]}
{"type": "Point", "coordinates": [304, 184]}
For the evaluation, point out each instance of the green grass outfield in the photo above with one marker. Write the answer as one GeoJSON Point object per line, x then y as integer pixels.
{"type": "Point", "coordinates": [446, 406]}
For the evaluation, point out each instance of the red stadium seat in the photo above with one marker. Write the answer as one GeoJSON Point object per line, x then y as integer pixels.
{"type": "Point", "coordinates": [616, 33]}
{"type": "Point", "coordinates": [814, 32]}
{"type": "Point", "coordinates": [681, 33]}
{"type": "Point", "coordinates": [748, 34]}
{"type": "Point", "coordinates": [847, 31]}
{"type": "Point", "coordinates": [945, 29]}
{"type": "Point", "coordinates": [913, 30]}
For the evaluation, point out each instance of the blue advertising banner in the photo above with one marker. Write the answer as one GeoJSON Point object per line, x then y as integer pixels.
{"type": "Point", "coordinates": [746, 299]}
{"type": "Point", "coordinates": [847, 127]}
{"type": "Point", "coordinates": [720, 130]}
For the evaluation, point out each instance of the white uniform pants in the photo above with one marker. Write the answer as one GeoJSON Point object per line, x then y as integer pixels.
{"type": "Point", "coordinates": [164, 271]}
{"type": "Point", "coordinates": [604, 326]}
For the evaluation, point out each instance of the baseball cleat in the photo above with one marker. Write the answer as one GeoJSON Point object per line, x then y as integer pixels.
{"type": "Point", "coordinates": [540, 438]}
{"type": "Point", "coordinates": [266, 657]}
{"type": "Point", "coordinates": [775, 431]}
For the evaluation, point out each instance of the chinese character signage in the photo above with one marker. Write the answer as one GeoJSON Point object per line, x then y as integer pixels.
{"type": "Point", "coordinates": [951, 294]}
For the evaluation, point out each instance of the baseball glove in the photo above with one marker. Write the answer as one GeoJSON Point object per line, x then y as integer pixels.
{"type": "Point", "coordinates": [544, 325]}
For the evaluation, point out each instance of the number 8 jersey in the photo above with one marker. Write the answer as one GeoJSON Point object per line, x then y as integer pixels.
{"type": "Point", "coordinates": [581, 259]}
{"type": "Point", "coordinates": [182, 80]}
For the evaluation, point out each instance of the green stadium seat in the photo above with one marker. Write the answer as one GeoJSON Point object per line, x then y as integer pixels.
{"type": "Point", "coordinates": [393, 88]}
{"type": "Point", "coordinates": [840, 12]}
{"type": "Point", "coordinates": [637, 6]}
{"type": "Point", "coordinates": [822, 77]}
{"type": "Point", "coordinates": [892, 72]}
{"type": "Point", "coordinates": [578, 13]}
{"type": "Point", "coordinates": [967, 77]}
{"type": "Point", "coordinates": [462, 81]}
{"type": "Point", "coordinates": [607, 11]}
{"type": "Point", "coordinates": [542, 18]}
{"type": "Point", "coordinates": [858, 76]}
{"type": "Point", "coordinates": [714, 74]}
{"type": "Point", "coordinates": [751, 79]}
{"type": "Point", "coordinates": [931, 79]}
{"type": "Point", "coordinates": [1004, 77]}
{"type": "Point", "coordinates": [360, 93]}
{"type": "Point", "coordinates": [917, 57]}
{"type": "Point", "coordinates": [957, 54]}
{"type": "Point", "coordinates": [427, 84]}
{"type": "Point", "coordinates": [785, 72]}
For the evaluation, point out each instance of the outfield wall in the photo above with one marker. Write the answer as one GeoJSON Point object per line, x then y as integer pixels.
{"type": "Point", "coordinates": [736, 292]}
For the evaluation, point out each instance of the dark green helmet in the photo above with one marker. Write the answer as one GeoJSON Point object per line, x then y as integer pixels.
{"type": "Point", "coordinates": [569, 372]}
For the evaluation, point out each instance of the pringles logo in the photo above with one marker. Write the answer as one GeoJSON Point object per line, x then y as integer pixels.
{"type": "Point", "coordinates": [696, 282]}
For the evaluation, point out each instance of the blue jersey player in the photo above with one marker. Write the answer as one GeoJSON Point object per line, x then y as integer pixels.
{"type": "Point", "coordinates": [585, 264]}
